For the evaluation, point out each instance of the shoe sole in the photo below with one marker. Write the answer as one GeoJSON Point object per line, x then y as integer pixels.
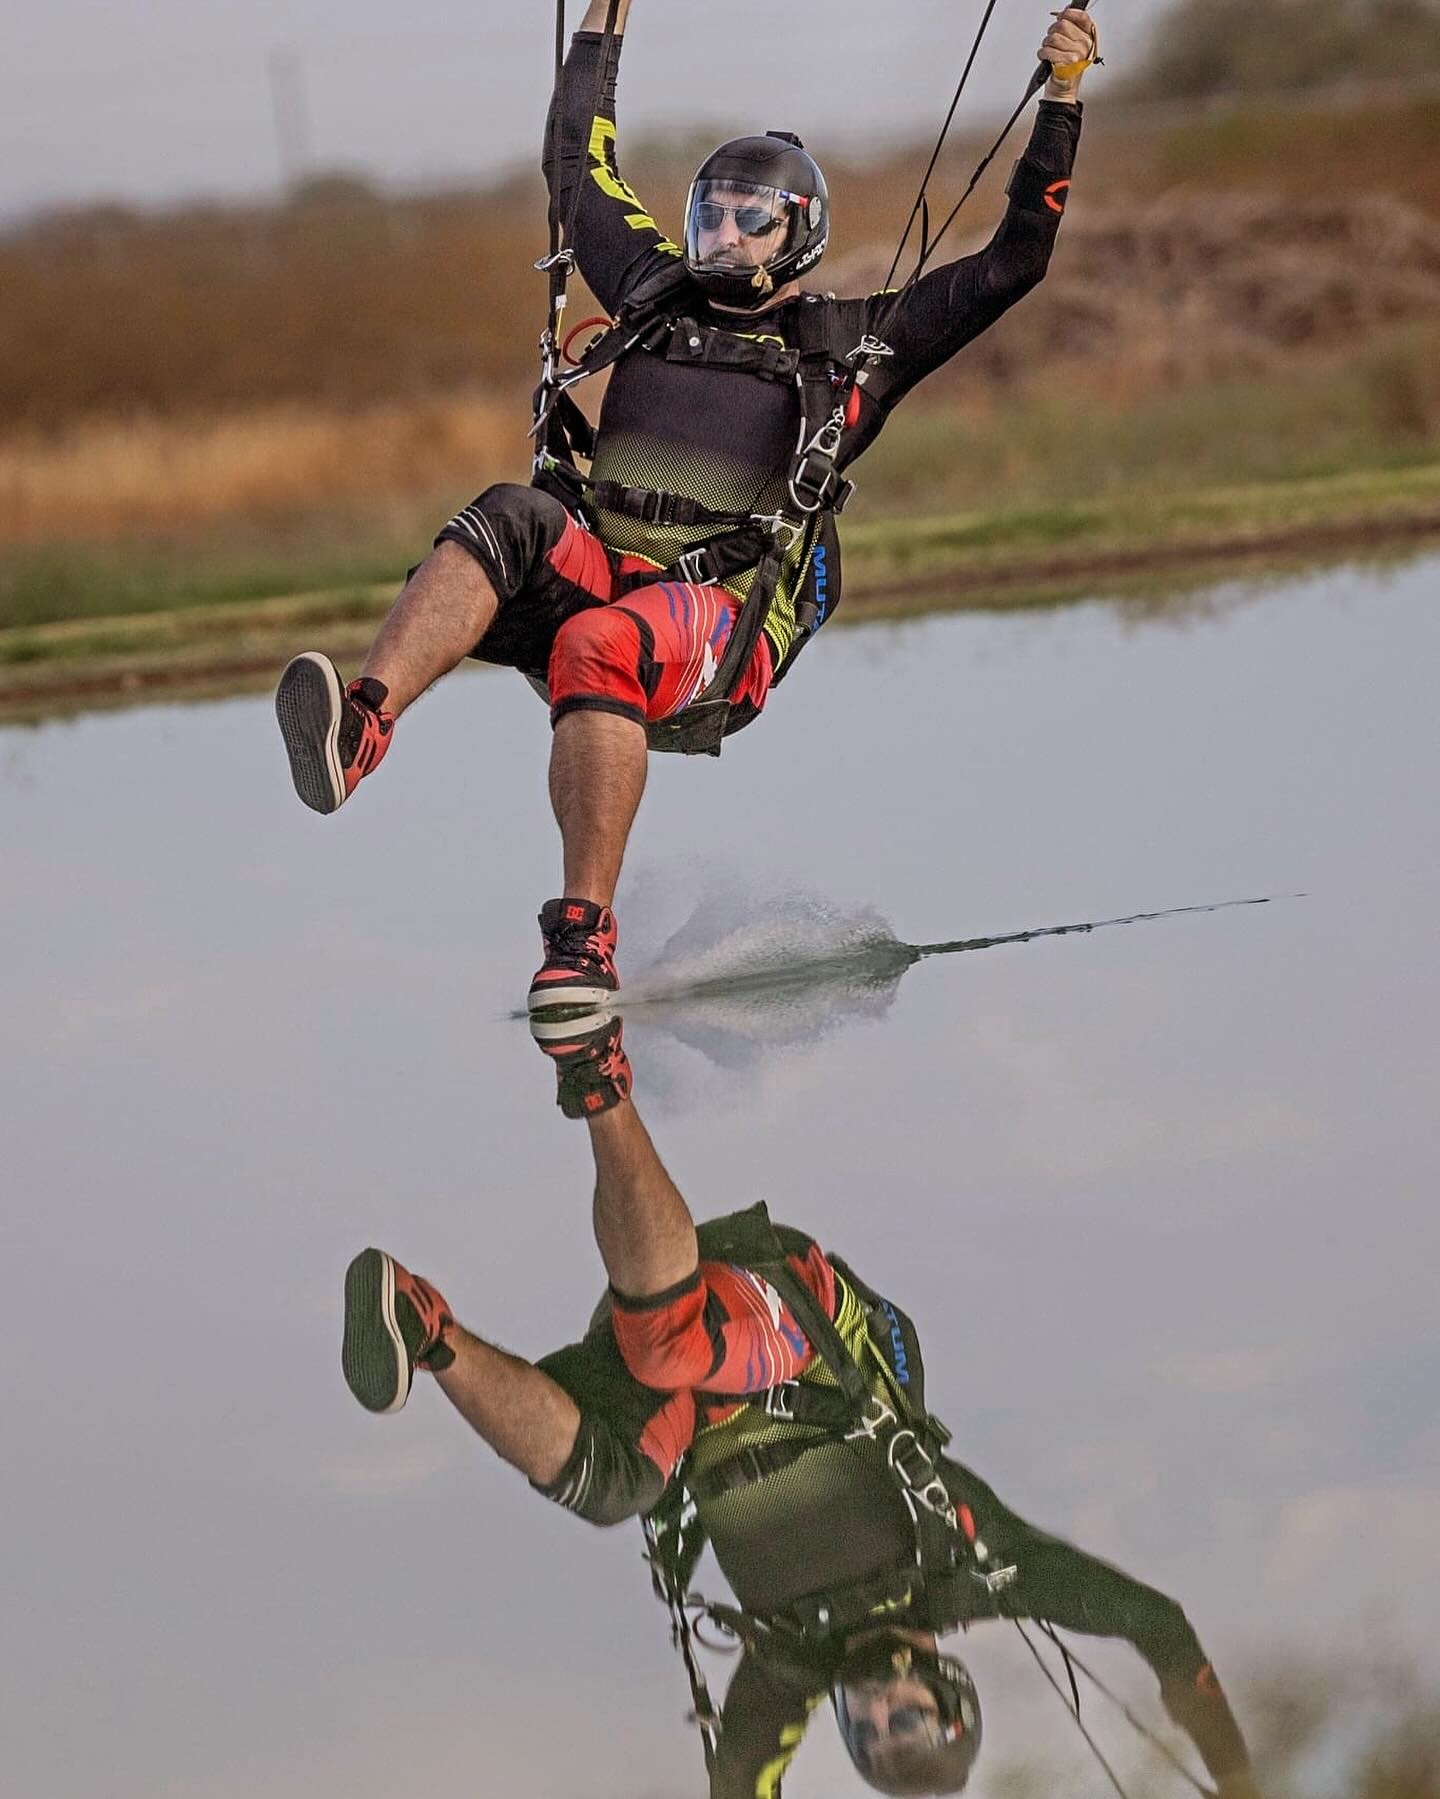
{"type": "Point", "coordinates": [308, 706]}
{"type": "Point", "coordinates": [569, 1002]}
{"type": "Point", "coordinates": [373, 1353]}
{"type": "Point", "coordinates": [551, 1029]}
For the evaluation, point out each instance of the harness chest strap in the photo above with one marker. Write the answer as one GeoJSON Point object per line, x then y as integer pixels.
{"type": "Point", "coordinates": [946, 1548]}
{"type": "Point", "coordinates": [819, 364]}
{"type": "Point", "coordinates": [815, 488]}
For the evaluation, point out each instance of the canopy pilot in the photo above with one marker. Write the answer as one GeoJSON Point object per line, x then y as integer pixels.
{"type": "Point", "coordinates": [658, 599]}
{"type": "Point", "coordinates": [740, 1384]}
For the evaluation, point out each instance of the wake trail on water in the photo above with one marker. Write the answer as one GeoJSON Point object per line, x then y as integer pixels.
{"type": "Point", "coordinates": [960, 944]}
{"type": "Point", "coordinates": [734, 946]}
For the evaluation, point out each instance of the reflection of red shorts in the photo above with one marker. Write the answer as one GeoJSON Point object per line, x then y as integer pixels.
{"type": "Point", "coordinates": [724, 1332]}
{"type": "Point", "coordinates": [650, 1372]}
{"type": "Point", "coordinates": [645, 652]}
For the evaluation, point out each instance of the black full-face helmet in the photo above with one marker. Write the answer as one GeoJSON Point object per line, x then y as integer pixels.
{"type": "Point", "coordinates": [758, 215]}
{"type": "Point", "coordinates": [909, 1716]}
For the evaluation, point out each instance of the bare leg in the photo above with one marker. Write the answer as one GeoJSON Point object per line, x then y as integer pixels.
{"type": "Point", "coordinates": [597, 775]}
{"type": "Point", "coordinates": [643, 1227]}
{"type": "Point", "coordinates": [521, 1413]}
{"type": "Point", "coordinates": [442, 612]}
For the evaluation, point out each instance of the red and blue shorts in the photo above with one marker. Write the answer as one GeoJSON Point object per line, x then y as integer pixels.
{"type": "Point", "coordinates": [650, 1372]}
{"type": "Point", "coordinates": [571, 614]}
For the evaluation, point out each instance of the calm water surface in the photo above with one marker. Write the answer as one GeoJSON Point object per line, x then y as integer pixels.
{"type": "Point", "coordinates": [1161, 1198]}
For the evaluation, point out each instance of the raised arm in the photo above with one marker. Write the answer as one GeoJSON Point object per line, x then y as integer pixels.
{"type": "Point", "coordinates": [954, 303]}
{"type": "Point", "coordinates": [1066, 1587]}
{"type": "Point", "coordinates": [625, 1440]}
{"type": "Point", "coordinates": [613, 234]}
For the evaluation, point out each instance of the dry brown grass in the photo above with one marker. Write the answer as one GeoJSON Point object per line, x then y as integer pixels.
{"type": "Point", "coordinates": [1145, 300]}
{"type": "Point", "coordinates": [346, 298]}
{"type": "Point", "coordinates": [157, 476]}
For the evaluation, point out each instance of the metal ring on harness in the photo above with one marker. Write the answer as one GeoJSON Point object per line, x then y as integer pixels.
{"type": "Point", "coordinates": [727, 1642]}
{"type": "Point", "coordinates": [916, 1472]}
{"type": "Point", "coordinates": [599, 319]}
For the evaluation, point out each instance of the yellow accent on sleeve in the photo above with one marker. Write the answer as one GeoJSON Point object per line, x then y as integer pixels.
{"type": "Point", "coordinates": [609, 180]}
{"type": "Point", "coordinates": [767, 1784]}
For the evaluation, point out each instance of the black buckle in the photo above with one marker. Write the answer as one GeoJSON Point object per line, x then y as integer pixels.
{"type": "Point", "coordinates": [831, 493]}
{"type": "Point", "coordinates": [653, 508]}
{"type": "Point", "coordinates": [809, 494]}
{"type": "Point", "coordinates": [655, 335]}
{"type": "Point", "coordinates": [917, 1473]}
{"type": "Point", "coordinates": [741, 1470]}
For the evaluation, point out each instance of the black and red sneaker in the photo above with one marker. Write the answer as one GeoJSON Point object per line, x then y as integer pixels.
{"type": "Point", "coordinates": [394, 1323]}
{"type": "Point", "coordinates": [334, 736]}
{"type": "Point", "coordinates": [590, 1062]}
{"type": "Point", "coordinates": [579, 966]}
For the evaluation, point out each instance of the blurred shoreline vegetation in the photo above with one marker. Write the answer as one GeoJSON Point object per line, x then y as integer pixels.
{"type": "Point", "coordinates": [1318, 1728]}
{"type": "Point", "coordinates": [219, 404]}
{"type": "Point", "coordinates": [1202, 48]}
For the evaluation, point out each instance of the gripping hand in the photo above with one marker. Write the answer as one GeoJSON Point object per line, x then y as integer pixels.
{"type": "Point", "coordinates": [1071, 46]}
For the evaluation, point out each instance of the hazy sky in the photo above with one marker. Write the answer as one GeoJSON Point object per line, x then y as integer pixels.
{"type": "Point", "coordinates": [155, 101]}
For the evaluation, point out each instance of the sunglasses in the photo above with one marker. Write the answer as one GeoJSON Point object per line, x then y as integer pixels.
{"type": "Point", "coordinates": [905, 1721]}
{"type": "Point", "coordinates": [753, 221]}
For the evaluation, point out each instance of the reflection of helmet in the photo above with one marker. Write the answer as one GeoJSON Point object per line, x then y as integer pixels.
{"type": "Point", "coordinates": [909, 1716]}
{"type": "Point", "coordinates": [772, 190]}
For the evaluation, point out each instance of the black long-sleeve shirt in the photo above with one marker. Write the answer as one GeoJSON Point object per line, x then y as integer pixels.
{"type": "Point", "coordinates": [724, 437]}
{"type": "Point", "coordinates": [780, 1681]}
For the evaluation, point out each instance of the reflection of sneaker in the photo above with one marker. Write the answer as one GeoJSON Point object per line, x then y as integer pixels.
{"type": "Point", "coordinates": [579, 965]}
{"type": "Point", "coordinates": [590, 1060]}
{"type": "Point", "coordinates": [394, 1324]}
{"type": "Point", "coordinates": [333, 738]}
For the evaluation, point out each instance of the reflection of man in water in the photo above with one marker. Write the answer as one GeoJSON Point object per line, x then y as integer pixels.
{"type": "Point", "coordinates": [696, 1379]}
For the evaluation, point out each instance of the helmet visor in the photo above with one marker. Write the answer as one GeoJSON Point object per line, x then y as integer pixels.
{"type": "Point", "coordinates": [732, 227]}
{"type": "Point", "coordinates": [913, 1727]}
{"type": "Point", "coordinates": [877, 1721]}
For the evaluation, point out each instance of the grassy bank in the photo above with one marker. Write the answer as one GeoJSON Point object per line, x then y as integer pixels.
{"type": "Point", "coordinates": [982, 553]}
{"type": "Point", "coordinates": [1148, 547]}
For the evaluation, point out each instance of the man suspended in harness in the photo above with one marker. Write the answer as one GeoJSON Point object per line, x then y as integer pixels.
{"type": "Point", "coordinates": [740, 1385]}
{"type": "Point", "coordinates": [658, 598]}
